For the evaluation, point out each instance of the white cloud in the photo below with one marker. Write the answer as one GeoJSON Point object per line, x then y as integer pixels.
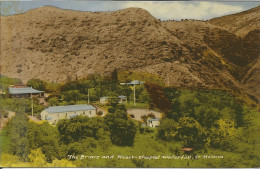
{"type": "Point", "coordinates": [185, 10]}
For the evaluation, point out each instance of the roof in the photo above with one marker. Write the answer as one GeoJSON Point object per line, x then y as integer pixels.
{"type": "Point", "coordinates": [69, 108]}
{"type": "Point", "coordinates": [105, 97]}
{"type": "Point", "coordinates": [187, 149]}
{"type": "Point", "coordinates": [23, 90]}
{"type": "Point", "coordinates": [121, 97]}
{"type": "Point", "coordinates": [154, 120]}
{"type": "Point", "coordinates": [136, 82]}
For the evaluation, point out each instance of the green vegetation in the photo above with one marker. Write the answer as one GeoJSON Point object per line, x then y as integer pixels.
{"type": "Point", "coordinates": [96, 86]}
{"type": "Point", "coordinates": [130, 105]}
{"type": "Point", "coordinates": [122, 130]}
{"type": "Point", "coordinates": [20, 105]}
{"type": "Point", "coordinates": [213, 122]}
{"type": "Point", "coordinates": [126, 77]}
{"type": "Point", "coordinates": [6, 81]}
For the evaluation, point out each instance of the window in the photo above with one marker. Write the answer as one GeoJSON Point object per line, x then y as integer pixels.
{"type": "Point", "coordinates": [84, 113]}
{"type": "Point", "coordinates": [89, 112]}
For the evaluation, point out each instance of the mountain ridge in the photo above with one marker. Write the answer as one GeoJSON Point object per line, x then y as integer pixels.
{"type": "Point", "coordinates": [56, 45]}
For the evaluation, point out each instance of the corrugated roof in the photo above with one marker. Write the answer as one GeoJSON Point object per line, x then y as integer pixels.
{"type": "Point", "coordinates": [136, 82]}
{"type": "Point", "coordinates": [121, 97]}
{"type": "Point", "coordinates": [23, 90]}
{"type": "Point", "coordinates": [69, 108]}
{"type": "Point", "coordinates": [154, 120]}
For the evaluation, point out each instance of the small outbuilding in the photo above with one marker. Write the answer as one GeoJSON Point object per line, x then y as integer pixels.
{"type": "Point", "coordinates": [153, 122]}
{"type": "Point", "coordinates": [55, 113]}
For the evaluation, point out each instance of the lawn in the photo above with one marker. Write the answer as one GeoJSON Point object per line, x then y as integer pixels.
{"type": "Point", "coordinates": [138, 105]}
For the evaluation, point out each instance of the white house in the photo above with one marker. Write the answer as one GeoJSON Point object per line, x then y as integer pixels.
{"type": "Point", "coordinates": [122, 99]}
{"type": "Point", "coordinates": [104, 99]}
{"type": "Point", "coordinates": [55, 113]}
{"type": "Point", "coordinates": [153, 122]}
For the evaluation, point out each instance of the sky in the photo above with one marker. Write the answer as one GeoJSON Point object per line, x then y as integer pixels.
{"type": "Point", "coordinates": [164, 10]}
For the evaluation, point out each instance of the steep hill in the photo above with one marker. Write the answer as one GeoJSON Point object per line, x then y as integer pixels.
{"type": "Point", "coordinates": [241, 23]}
{"type": "Point", "coordinates": [246, 25]}
{"type": "Point", "coordinates": [57, 45]}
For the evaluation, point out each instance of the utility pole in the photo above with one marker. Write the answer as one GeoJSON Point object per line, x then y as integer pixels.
{"type": "Point", "coordinates": [32, 103]}
{"type": "Point", "coordinates": [88, 96]}
{"type": "Point", "coordinates": [134, 94]}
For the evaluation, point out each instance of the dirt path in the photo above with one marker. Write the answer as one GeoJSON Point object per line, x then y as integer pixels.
{"type": "Point", "coordinates": [100, 109]}
{"type": "Point", "coordinates": [4, 121]}
{"type": "Point", "coordinates": [33, 118]}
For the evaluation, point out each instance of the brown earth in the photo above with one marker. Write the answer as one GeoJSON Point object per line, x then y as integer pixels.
{"type": "Point", "coordinates": [56, 45]}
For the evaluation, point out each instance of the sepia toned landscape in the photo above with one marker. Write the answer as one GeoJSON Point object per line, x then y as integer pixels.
{"type": "Point", "coordinates": [125, 89]}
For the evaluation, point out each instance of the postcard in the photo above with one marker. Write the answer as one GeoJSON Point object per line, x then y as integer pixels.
{"type": "Point", "coordinates": [130, 84]}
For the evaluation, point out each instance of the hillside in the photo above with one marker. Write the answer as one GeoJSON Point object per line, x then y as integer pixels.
{"type": "Point", "coordinates": [241, 23]}
{"type": "Point", "coordinates": [246, 25]}
{"type": "Point", "coordinates": [57, 45]}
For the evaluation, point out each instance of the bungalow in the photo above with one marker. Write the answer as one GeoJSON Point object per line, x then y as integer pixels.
{"type": "Point", "coordinates": [136, 82]}
{"type": "Point", "coordinates": [103, 100]}
{"type": "Point", "coordinates": [122, 99]}
{"type": "Point", "coordinates": [23, 91]}
{"type": "Point", "coordinates": [153, 122]}
{"type": "Point", "coordinates": [54, 114]}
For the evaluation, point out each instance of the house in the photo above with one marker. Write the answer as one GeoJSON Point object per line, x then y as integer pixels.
{"type": "Point", "coordinates": [23, 91]}
{"type": "Point", "coordinates": [103, 100]}
{"type": "Point", "coordinates": [122, 99]}
{"type": "Point", "coordinates": [153, 122]}
{"type": "Point", "coordinates": [136, 82]}
{"type": "Point", "coordinates": [55, 113]}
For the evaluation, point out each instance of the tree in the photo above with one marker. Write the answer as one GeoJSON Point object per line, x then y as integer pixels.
{"type": "Point", "coordinates": [78, 128]}
{"type": "Point", "coordinates": [61, 163]}
{"type": "Point", "coordinates": [168, 129]}
{"type": "Point", "coordinates": [36, 84]}
{"type": "Point", "coordinates": [52, 87]}
{"type": "Point", "coordinates": [72, 95]}
{"type": "Point", "coordinates": [37, 158]}
{"type": "Point", "coordinates": [190, 131]}
{"type": "Point", "coordinates": [188, 102]}
{"type": "Point", "coordinates": [222, 135]}
{"type": "Point", "coordinates": [158, 98]}
{"type": "Point", "coordinates": [46, 137]}
{"type": "Point", "coordinates": [6, 81]}
{"type": "Point", "coordinates": [207, 116]}
{"type": "Point", "coordinates": [53, 101]}
{"type": "Point", "coordinates": [122, 130]}
{"type": "Point", "coordinates": [114, 76]}
{"type": "Point", "coordinates": [16, 131]}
